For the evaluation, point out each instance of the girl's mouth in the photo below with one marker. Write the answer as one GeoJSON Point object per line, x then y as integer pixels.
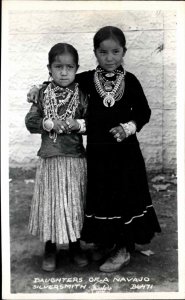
{"type": "Point", "coordinates": [110, 65]}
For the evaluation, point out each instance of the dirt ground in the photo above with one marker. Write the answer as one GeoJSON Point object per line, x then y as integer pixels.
{"type": "Point", "coordinates": [155, 270]}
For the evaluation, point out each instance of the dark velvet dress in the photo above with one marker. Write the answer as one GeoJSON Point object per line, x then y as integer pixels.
{"type": "Point", "coordinates": [118, 207]}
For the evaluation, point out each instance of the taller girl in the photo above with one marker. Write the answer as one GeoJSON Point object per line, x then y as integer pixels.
{"type": "Point", "coordinates": [119, 209]}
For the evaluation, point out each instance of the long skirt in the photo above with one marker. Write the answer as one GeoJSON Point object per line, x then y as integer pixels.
{"type": "Point", "coordinates": [119, 207]}
{"type": "Point", "coordinates": [57, 210]}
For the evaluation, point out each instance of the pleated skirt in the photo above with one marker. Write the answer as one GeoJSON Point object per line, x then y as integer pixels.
{"type": "Point", "coordinates": [57, 209]}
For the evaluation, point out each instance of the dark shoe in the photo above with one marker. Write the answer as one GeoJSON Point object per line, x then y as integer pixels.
{"type": "Point", "coordinates": [49, 259]}
{"type": "Point", "coordinates": [80, 258]}
{"type": "Point", "coordinates": [49, 262]}
{"type": "Point", "coordinates": [116, 261]}
{"type": "Point", "coordinates": [77, 255]}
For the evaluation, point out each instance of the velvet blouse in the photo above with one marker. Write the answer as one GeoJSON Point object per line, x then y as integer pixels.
{"type": "Point", "coordinates": [133, 106]}
{"type": "Point", "coordinates": [66, 144]}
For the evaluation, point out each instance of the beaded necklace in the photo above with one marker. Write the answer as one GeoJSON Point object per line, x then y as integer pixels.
{"type": "Point", "coordinates": [109, 90]}
{"type": "Point", "coordinates": [52, 102]}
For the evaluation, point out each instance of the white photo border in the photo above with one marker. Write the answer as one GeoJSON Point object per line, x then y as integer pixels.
{"type": "Point", "coordinates": [179, 7]}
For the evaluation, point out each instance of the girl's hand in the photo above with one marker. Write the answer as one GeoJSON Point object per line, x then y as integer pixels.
{"type": "Point", "coordinates": [118, 133]}
{"type": "Point", "coordinates": [60, 126]}
{"type": "Point", "coordinates": [33, 94]}
{"type": "Point", "coordinates": [72, 124]}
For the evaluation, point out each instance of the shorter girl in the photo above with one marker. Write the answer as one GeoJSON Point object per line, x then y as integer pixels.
{"type": "Point", "coordinates": [57, 210]}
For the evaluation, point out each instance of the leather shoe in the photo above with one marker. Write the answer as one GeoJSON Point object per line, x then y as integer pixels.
{"type": "Point", "coordinates": [115, 262]}
{"type": "Point", "coordinates": [49, 262]}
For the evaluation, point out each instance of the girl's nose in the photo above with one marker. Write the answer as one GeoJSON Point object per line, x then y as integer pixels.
{"type": "Point", "coordinates": [109, 57]}
{"type": "Point", "coordinates": [64, 71]}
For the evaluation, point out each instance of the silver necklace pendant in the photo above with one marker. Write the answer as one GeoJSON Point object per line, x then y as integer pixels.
{"type": "Point", "coordinates": [108, 87]}
{"type": "Point", "coordinates": [109, 100]}
{"type": "Point", "coordinates": [109, 74]}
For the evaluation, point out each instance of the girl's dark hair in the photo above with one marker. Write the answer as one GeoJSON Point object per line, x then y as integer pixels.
{"type": "Point", "coordinates": [62, 48]}
{"type": "Point", "coordinates": [109, 32]}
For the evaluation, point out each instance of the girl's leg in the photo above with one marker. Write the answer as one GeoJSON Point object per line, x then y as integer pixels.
{"type": "Point", "coordinates": [100, 252]}
{"type": "Point", "coordinates": [49, 258]}
{"type": "Point", "coordinates": [77, 254]}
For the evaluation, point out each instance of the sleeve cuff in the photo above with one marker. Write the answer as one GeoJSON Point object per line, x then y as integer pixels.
{"type": "Point", "coordinates": [82, 125]}
{"type": "Point", "coordinates": [129, 128]}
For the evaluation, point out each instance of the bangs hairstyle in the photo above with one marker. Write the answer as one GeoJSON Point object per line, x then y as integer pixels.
{"type": "Point", "coordinates": [62, 48]}
{"type": "Point", "coordinates": [109, 32]}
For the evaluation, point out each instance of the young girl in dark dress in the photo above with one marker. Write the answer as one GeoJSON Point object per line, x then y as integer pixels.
{"type": "Point", "coordinates": [119, 210]}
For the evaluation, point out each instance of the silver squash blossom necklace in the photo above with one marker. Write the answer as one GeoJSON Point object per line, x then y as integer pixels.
{"type": "Point", "coordinates": [53, 101]}
{"type": "Point", "coordinates": [110, 91]}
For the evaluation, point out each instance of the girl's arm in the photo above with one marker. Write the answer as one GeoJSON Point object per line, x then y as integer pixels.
{"type": "Point", "coordinates": [34, 119]}
{"type": "Point", "coordinates": [79, 124]}
{"type": "Point", "coordinates": [81, 78]}
{"type": "Point", "coordinates": [33, 94]}
{"type": "Point", "coordinates": [36, 123]}
{"type": "Point", "coordinates": [85, 80]}
{"type": "Point", "coordinates": [141, 111]}
{"type": "Point", "coordinates": [83, 113]}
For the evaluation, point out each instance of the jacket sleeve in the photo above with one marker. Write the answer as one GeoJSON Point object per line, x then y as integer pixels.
{"type": "Point", "coordinates": [141, 111]}
{"type": "Point", "coordinates": [84, 98]}
{"type": "Point", "coordinates": [34, 118]}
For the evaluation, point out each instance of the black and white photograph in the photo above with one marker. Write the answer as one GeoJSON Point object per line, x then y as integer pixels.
{"type": "Point", "coordinates": [92, 113]}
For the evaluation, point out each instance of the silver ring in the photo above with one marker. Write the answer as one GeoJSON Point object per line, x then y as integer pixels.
{"type": "Point", "coordinates": [118, 140]}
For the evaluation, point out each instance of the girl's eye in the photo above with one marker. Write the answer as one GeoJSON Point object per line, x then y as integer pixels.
{"type": "Point", "coordinates": [102, 52]}
{"type": "Point", "coordinates": [70, 67]}
{"type": "Point", "coordinates": [116, 51]}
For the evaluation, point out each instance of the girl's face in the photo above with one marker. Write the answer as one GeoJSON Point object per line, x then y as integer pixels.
{"type": "Point", "coordinates": [63, 69]}
{"type": "Point", "coordinates": [109, 54]}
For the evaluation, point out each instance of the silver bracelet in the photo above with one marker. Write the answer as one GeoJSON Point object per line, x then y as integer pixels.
{"type": "Point", "coordinates": [129, 128]}
{"type": "Point", "coordinates": [132, 126]}
{"type": "Point", "coordinates": [82, 125]}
